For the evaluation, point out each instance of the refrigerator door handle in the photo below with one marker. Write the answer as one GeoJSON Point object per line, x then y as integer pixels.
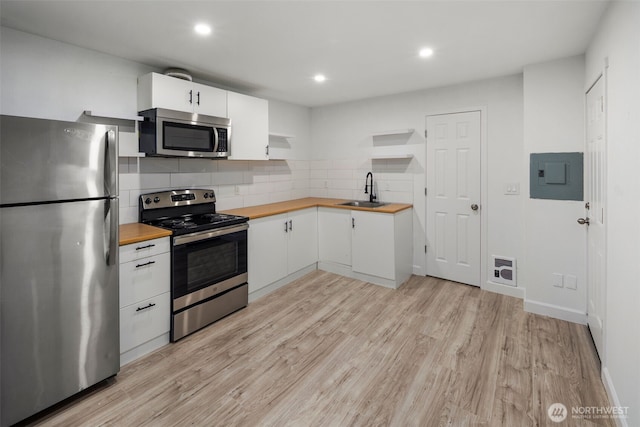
{"type": "Point", "coordinates": [111, 163]}
{"type": "Point", "coordinates": [111, 223]}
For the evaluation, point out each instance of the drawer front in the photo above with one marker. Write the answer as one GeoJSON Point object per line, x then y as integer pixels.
{"type": "Point", "coordinates": [144, 249]}
{"type": "Point", "coordinates": [144, 321]}
{"type": "Point", "coordinates": [144, 278]}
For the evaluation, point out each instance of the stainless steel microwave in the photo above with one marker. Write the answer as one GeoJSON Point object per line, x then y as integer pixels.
{"type": "Point", "coordinates": [169, 133]}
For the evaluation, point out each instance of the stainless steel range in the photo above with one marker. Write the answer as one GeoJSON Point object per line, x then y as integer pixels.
{"type": "Point", "coordinates": [208, 256]}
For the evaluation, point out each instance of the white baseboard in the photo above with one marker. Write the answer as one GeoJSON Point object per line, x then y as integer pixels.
{"type": "Point", "coordinates": [613, 396]}
{"type": "Point", "coordinates": [555, 311]}
{"type": "Point", "coordinates": [512, 291]}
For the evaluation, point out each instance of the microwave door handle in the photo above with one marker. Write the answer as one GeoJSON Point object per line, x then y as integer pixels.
{"type": "Point", "coordinates": [215, 140]}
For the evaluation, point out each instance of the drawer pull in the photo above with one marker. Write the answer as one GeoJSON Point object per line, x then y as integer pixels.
{"type": "Point", "coordinates": [145, 307]}
{"type": "Point", "coordinates": [145, 264]}
{"type": "Point", "coordinates": [145, 247]}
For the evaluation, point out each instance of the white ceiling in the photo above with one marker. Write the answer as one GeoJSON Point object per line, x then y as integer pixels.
{"type": "Point", "coordinates": [365, 48]}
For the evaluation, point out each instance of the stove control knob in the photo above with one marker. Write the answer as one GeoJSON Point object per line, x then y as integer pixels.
{"type": "Point", "coordinates": [156, 199]}
{"type": "Point", "coordinates": [147, 201]}
{"type": "Point", "coordinates": [211, 195]}
{"type": "Point", "coordinates": [206, 195]}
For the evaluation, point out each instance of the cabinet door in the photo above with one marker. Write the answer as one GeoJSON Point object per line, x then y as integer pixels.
{"type": "Point", "coordinates": [144, 321]}
{"type": "Point", "coordinates": [267, 251]}
{"type": "Point", "coordinates": [373, 244]}
{"type": "Point", "coordinates": [209, 100]}
{"type": "Point", "coordinates": [303, 239]}
{"type": "Point", "coordinates": [144, 278]}
{"type": "Point", "coordinates": [334, 235]}
{"type": "Point", "coordinates": [249, 127]}
{"type": "Point", "coordinates": [160, 91]}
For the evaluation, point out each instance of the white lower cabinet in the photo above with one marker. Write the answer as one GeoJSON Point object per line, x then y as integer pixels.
{"type": "Point", "coordinates": [281, 245]}
{"type": "Point", "coordinates": [334, 236]}
{"type": "Point", "coordinates": [145, 297]}
{"type": "Point", "coordinates": [371, 246]}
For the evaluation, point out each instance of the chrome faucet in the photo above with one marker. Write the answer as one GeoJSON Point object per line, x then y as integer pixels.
{"type": "Point", "coordinates": [372, 196]}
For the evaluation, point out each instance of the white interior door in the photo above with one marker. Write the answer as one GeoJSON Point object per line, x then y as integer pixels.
{"type": "Point", "coordinates": [596, 236]}
{"type": "Point", "coordinates": [453, 197]}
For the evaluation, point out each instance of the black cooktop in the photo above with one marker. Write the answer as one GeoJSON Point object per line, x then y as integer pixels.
{"type": "Point", "coordinates": [185, 211]}
{"type": "Point", "coordinates": [189, 223]}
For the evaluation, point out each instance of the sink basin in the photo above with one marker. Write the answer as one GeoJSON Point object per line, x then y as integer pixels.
{"type": "Point", "coordinates": [363, 204]}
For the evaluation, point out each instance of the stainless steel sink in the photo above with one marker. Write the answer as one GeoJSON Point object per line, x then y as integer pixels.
{"type": "Point", "coordinates": [363, 204]}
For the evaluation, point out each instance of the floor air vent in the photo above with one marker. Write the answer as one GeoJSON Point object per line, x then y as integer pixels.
{"type": "Point", "coordinates": [504, 270]}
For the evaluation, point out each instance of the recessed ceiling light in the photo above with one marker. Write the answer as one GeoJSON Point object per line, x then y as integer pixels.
{"type": "Point", "coordinates": [426, 52]}
{"type": "Point", "coordinates": [202, 29]}
{"type": "Point", "coordinates": [319, 78]}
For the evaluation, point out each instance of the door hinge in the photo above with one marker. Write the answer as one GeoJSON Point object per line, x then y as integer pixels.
{"type": "Point", "coordinates": [425, 191]}
{"type": "Point", "coordinates": [425, 249]}
{"type": "Point", "coordinates": [425, 134]}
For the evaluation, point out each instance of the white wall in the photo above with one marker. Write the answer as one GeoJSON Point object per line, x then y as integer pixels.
{"type": "Point", "coordinates": [554, 241]}
{"type": "Point", "coordinates": [342, 142]}
{"type": "Point", "coordinates": [618, 39]}
{"type": "Point", "coordinates": [44, 78]}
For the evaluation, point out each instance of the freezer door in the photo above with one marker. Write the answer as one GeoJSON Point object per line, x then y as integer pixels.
{"type": "Point", "coordinates": [59, 302]}
{"type": "Point", "coordinates": [45, 160]}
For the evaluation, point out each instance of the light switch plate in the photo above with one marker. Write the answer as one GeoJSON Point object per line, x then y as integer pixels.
{"type": "Point", "coordinates": [512, 188]}
{"type": "Point", "coordinates": [558, 280]}
{"type": "Point", "coordinates": [571, 282]}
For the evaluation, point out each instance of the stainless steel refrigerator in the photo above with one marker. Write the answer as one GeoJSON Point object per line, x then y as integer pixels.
{"type": "Point", "coordinates": [58, 261]}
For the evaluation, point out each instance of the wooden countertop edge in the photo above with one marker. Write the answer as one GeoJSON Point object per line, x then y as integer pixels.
{"type": "Point", "coordinates": [136, 232]}
{"type": "Point", "coordinates": [261, 211]}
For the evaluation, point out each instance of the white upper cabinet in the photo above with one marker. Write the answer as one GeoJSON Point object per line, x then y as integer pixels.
{"type": "Point", "coordinates": [249, 127]}
{"type": "Point", "coordinates": [160, 91]}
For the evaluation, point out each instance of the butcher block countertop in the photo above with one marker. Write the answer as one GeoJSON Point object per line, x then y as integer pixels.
{"type": "Point", "coordinates": [260, 211]}
{"type": "Point", "coordinates": [137, 232]}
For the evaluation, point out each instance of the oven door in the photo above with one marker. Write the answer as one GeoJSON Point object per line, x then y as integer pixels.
{"type": "Point", "coordinates": [208, 263]}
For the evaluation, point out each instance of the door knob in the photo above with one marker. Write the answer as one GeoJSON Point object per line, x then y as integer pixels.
{"type": "Point", "coordinates": [474, 207]}
{"type": "Point", "coordinates": [583, 221]}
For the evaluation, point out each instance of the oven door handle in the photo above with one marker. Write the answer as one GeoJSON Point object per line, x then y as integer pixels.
{"type": "Point", "coordinates": [195, 237]}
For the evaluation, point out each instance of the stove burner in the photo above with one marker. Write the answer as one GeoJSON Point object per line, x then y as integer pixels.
{"type": "Point", "coordinates": [178, 223]}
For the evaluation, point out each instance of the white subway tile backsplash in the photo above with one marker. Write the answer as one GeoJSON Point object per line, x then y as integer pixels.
{"type": "Point", "coordinates": [319, 164]}
{"type": "Point", "coordinates": [249, 183]}
{"type": "Point", "coordinates": [318, 173]}
{"type": "Point", "coordinates": [128, 181]}
{"type": "Point", "coordinates": [123, 164]}
{"type": "Point", "coordinates": [318, 183]}
{"type": "Point", "coordinates": [190, 180]}
{"type": "Point", "coordinates": [149, 181]}
{"type": "Point", "coordinates": [229, 177]}
{"type": "Point", "coordinates": [281, 196]}
{"type": "Point", "coordinates": [158, 165]}
{"type": "Point", "coordinates": [340, 174]}
{"type": "Point", "coordinates": [127, 215]}
{"type": "Point", "coordinates": [198, 165]}
{"type": "Point", "coordinates": [229, 203]}
{"type": "Point", "coordinates": [233, 165]}
{"type": "Point", "coordinates": [340, 194]}
{"type": "Point", "coordinates": [256, 199]}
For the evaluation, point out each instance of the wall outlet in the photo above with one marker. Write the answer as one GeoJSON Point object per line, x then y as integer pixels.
{"type": "Point", "coordinates": [558, 280]}
{"type": "Point", "coordinates": [571, 281]}
{"type": "Point", "coordinates": [236, 190]}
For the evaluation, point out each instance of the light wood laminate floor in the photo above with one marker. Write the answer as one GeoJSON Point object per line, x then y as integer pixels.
{"type": "Point", "coordinates": [332, 351]}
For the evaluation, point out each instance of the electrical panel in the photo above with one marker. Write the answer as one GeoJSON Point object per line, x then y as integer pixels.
{"type": "Point", "coordinates": [557, 176]}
